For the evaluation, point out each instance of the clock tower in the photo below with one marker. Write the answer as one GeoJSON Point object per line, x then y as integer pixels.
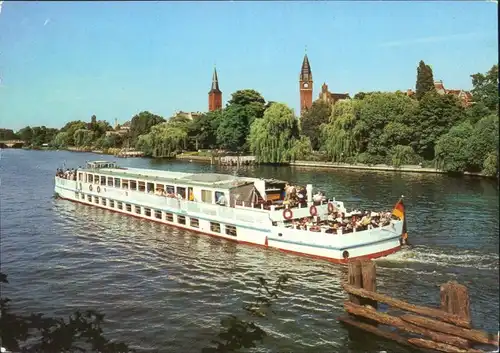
{"type": "Point", "coordinates": [305, 85]}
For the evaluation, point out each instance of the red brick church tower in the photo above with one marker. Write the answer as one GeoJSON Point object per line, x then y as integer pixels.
{"type": "Point", "coordinates": [305, 85]}
{"type": "Point", "coordinates": [215, 94]}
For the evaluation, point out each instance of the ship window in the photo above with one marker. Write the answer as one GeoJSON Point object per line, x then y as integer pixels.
{"type": "Point", "coordinates": [157, 214]}
{"type": "Point", "coordinates": [110, 181]}
{"type": "Point", "coordinates": [82, 196]}
{"type": "Point", "coordinates": [112, 203]}
{"type": "Point", "coordinates": [124, 184]}
{"type": "Point", "coordinates": [181, 219]}
{"type": "Point", "coordinates": [80, 177]}
{"type": "Point", "coordinates": [119, 205]}
{"type": "Point", "coordinates": [159, 187]}
{"type": "Point", "coordinates": [103, 201]}
{"type": "Point", "coordinates": [133, 185]}
{"type": "Point", "coordinates": [96, 179]}
{"type": "Point", "coordinates": [150, 187]}
{"type": "Point", "coordinates": [142, 186]}
{"type": "Point", "coordinates": [137, 209]}
{"type": "Point", "coordinates": [181, 191]}
{"type": "Point", "coordinates": [103, 180]}
{"type": "Point", "coordinates": [170, 189]}
{"type": "Point", "coordinates": [90, 178]}
{"type": "Point", "coordinates": [206, 196]}
{"type": "Point", "coordinates": [128, 207]}
{"type": "Point", "coordinates": [215, 227]}
{"type": "Point", "coordinates": [76, 194]}
{"type": "Point", "coordinates": [147, 212]}
{"type": "Point", "coordinates": [117, 182]}
{"type": "Point", "coordinates": [194, 222]}
{"type": "Point", "coordinates": [96, 200]}
{"type": "Point", "coordinates": [169, 217]}
{"type": "Point", "coordinates": [231, 230]}
{"type": "Point", "coordinates": [89, 198]}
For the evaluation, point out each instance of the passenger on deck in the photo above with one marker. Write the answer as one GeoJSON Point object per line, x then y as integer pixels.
{"type": "Point", "coordinates": [317, 198]}
{"type": "Point", "coordinates": [221, 200]}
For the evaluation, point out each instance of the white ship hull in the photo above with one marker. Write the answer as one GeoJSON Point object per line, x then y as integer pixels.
{"type": "Point", "coordinates": [240, 224]}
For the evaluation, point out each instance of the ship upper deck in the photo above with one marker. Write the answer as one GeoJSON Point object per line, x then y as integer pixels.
{"type": "Point", "coordinates": [216, 180]}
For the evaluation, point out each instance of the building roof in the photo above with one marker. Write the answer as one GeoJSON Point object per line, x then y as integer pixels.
{"type": "Point", "coordinates": [215, 83]}
{"type": "Point", "coordinates": [305, 71]}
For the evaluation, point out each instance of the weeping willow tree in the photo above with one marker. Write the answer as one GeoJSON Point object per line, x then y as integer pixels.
{"type": "Point", "coordinates": [272, 139]}
{"type": "Point", "coordinates": [341, 136]}
{"type": "Point", "coordinates": [164, 140]}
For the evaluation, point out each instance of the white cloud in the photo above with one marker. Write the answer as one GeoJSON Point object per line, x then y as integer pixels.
{"type": "Point", "coordinates": [432, 39]}
{"type": "Point", "coordinates": [46, 22]}
{"type": "Point", "coordinates": [1, 3]}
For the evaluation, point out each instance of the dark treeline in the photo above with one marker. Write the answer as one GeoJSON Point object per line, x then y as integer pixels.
{"type": "Point", "coordinates": [427, 128]}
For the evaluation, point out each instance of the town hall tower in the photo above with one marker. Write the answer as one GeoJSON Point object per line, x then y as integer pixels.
{"type": "Point", "coordinates": [305, 85]}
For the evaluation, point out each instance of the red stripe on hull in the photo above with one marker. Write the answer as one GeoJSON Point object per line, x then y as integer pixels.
{"type": "Point", "coordinates": [338, 261]}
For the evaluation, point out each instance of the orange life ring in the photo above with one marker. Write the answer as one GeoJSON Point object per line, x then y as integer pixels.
{"type": "Point", "coordinates": [313, 210]}
{"type": "Point", "coordinates": [331, 208]}
{"type": "Point", "coordinates": [287, 214]}
{"type": "Point", "coordinates": [90, 187]}
{"type": "Point", "coordinates": [98, 188]}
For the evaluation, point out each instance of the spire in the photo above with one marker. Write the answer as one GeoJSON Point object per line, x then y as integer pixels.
{"type": "Point", "coordinates": [215, 83]}
{"type": "Point", "coordinates": [305, 72]}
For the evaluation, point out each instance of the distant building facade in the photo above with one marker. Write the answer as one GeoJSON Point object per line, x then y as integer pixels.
{"type": "Point", "coordinates": [215, 94]}
{"type": "Point", "coordinates": [189, 115]}
{"type": "Point", "coordinates": [331, 98]}
{"type": "Point", "coordinates": [465, 97]}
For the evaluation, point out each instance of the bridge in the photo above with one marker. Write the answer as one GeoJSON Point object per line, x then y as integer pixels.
{"type": "Point", "coordinates": [12, 144]}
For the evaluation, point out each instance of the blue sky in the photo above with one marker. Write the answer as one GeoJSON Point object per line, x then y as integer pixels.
{"type": "Point", "coordinates": [61, 61]}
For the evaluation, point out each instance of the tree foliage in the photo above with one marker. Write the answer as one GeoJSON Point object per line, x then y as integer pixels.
{"type": "Point", "coordinates": [312, 119]}
{"type": "Point", "coordinates": [141, 124]}
{"type": "Point", "coordinates": [485, 89]}
{"type": "Point", "coordinates": [425, 80]}
{"type": "Point", "coordinates": [272, 138]}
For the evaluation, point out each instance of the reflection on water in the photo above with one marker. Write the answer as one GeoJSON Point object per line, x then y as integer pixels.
{"type": "Point", "coordinates": [166, 289]}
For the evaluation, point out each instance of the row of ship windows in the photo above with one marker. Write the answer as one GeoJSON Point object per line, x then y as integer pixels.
{"type": "Point", "coordinates": [193, 222]}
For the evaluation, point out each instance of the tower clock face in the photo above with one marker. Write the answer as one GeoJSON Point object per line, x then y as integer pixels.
{"type": "Point", "coordinates": [306, 85]}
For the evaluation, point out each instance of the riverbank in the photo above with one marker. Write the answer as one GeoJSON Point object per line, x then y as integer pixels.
{"type": "Point", "coordinates": [331, 165]}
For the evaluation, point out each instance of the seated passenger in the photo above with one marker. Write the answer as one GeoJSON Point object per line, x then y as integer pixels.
{"type": "Point", "coordinates": [221, 200]}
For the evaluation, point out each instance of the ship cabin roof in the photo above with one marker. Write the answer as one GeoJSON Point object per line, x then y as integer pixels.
{"type": "Point", "coordinates": [214, 180]}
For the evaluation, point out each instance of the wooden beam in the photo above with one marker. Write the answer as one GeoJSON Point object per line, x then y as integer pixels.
{"type": "Point", "coordinates": [422, 310]}
{"type": "Point", "coordinates": [469, 334]}
{"type": "Point", "coordinates": [355, 279]}
{"type": "Point", "coordinates": [390, 320]}
{"type": "Point", "coordinates": [441, 347]}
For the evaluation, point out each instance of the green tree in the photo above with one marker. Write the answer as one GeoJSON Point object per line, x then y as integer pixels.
{"type": "Point", "coordinates": [252, 100]}
{"type": "Point", "coordinates": [61, 140]}
{"type": "Point", "coordinates": [204, 129]}
{"type": "Point", "coordinates": [142, 123]}
{"type": "Point", "coordinates": [401, 155]}
{"type": "Point", "coordinates": [483, 140]}
{"type": "Point", "coordinates": [83, 137]}
{"type": "Point", "coordinates": [302, 149]}
{"type": "Point", "coordinates": [164, 140]}
{"type": "Point", "coordinates": [490, 165]}
{"type": "Point", "coordinates": [338, 136]}
{"type": "Point", "coordinates": [451, 148]}
{"type": "Point", "coordinates": [70, 129]}
{"type": "Point", "coordinates": [436, 115]}
{"type": "Point", "coordinates": [311, 120]}
{"type": "Point", "coordinates": [233, 128]}
{"type": "Point", "coordinates": [485, 89]}
{"type": "Point", "coordinates": [26, 134]}
{"type": "Point", "coordinates": [273, 137]}
{"type": "Point", "coordinates": [425, 80]}
{"type": "Point", "coordinates": [8, 134]}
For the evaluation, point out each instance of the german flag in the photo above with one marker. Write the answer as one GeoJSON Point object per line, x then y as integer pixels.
{"type": "Point", "coordinates": [399, 212]}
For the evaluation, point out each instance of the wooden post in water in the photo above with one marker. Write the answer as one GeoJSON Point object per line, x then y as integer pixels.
{"type": "Point", "coordinates": [355, 278]}
{"type": "Point", "coordinates": [455, 300]}
{"type": "Point", "coordinates": [369, 274]}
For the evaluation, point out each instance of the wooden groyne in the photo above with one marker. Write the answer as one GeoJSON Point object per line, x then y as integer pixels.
{"type": "Point", "coordinates": [446, 329]}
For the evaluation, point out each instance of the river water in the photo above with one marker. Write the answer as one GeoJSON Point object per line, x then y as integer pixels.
{"type": "Point", "coordinates": [164, 289]}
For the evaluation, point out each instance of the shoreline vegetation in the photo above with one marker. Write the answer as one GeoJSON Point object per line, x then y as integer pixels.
{"type": "Point", "coordinates": [430, 131]}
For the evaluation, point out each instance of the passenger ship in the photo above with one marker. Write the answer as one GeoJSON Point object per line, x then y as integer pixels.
{"type": "Point", "coordinates": [249, 214]}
